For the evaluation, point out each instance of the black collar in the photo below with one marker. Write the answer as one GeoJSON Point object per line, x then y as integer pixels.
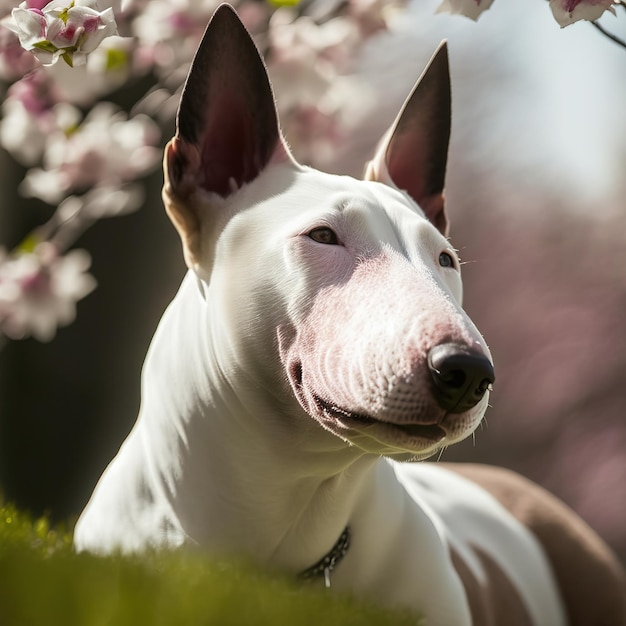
{"type": "Point", "coordinates": [328, 563]}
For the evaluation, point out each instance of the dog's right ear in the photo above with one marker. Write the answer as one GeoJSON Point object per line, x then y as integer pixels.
{"type": "Point", "coordinates": [226, 129]}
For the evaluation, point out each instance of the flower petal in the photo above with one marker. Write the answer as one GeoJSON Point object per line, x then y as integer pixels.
{"type": "Point", "coordinates": [30, 27]}
{"type": "Point", "coordinates": [468, 8]}
{"type": "Point", "coordinates": [567, 12]}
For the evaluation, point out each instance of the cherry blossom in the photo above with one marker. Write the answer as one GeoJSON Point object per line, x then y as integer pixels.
{"type": "Point", "coordinates": [39, 291]}
{"type": "Point", "coordinates": [31, 112]}
{"type": "Point", "coordinates": [168, 32]}
{"type": "Point", "coordinates": [468, 8]}
{"type": "Point", "coordinates": [108, 149]}
{"type": "Point", "coordinates": [567, 12]}
{"type": "Point", "coordinates": [60, 30]}
{"type": "Point", "coordinates": [107, 68]}
{"type": "Point", "coordinates": [310, 68]}
{"type": "Point", "coordinates": [15, 62]}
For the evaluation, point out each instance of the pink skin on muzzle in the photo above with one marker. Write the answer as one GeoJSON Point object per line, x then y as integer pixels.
{"type": "Point", "coordinates": [358, 362]}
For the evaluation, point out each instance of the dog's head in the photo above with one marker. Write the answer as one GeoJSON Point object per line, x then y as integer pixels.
{"type": "Point", "coordinates": [346, 294]}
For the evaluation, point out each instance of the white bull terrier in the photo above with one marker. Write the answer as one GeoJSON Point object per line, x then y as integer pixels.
{"type": "Point", "coordinates": [316, 346]}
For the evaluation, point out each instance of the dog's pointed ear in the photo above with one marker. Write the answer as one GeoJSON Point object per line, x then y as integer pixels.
{"type": "Point", "coordinates": [227, 128]}
{"type": "Point", "coordinates": [414, 152]}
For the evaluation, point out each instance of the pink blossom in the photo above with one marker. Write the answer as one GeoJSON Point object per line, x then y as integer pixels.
{"type": "Point", "coordinates": [107, 68]}
{"type": "Point", "coordinates": [168, 32]}
{"type": "Point", "coordinates": [39, 291]}
{"type": "Point", "coordinates": [567, 12]}
{"type": "Point", "coordinates": [468, 8]}
{"type": "Point", "coordinates": [35, 92]}
{"type": "Point", "coordinates": [308, 66]}
{"type": "Point", "coordinates": [371, 15]}
{"type": "Point", "coordinates": [36, 4]}
{"type": "Point", "coordinates": [30, 114]}
{"type": "Point", "coordinates": [106, 149]}
{"type": "Point", "coordinates": [61, 30]}
{"type": "Point", "coordinates": [15, 62]}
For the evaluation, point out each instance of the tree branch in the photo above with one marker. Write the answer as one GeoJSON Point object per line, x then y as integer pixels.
{"type": "Point", "coordinates": [611, 36]}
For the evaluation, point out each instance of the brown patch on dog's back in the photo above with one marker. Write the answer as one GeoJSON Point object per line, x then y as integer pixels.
{"type": "Point", "coordinates": [495, 602]}
{"type": "Point", "coordinates": [589, 576]}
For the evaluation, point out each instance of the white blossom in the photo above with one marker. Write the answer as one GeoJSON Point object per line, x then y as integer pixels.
{"type": "Point", "coordinates": [107, 149]}
{"type": "Point", "coordinates": [468, 8]}
{"type": "Point", "coordinates": [168, 32]}
{"type": "Point", "coordinates": [567, 12]}
{"type": "Point", "coordinates": [15, 62]}
{"type": "Point", "coordinates": [310, 69]}
{"type": "Point", "coordinates": [24, 131]}
{"type": "Point", "coordinates": [62, 30]}
{"type": "Point", "coordinates": [21, 133]}
{"type": "Point", "coordinates": [39, 291]}
{"type": "Point", "coordinates": [106, 69]}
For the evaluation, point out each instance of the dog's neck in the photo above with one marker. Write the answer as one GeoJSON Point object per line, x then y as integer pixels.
{"type": "Point", "coordinates": [238, 472]}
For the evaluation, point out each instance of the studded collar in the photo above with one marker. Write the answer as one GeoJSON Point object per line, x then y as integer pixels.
{"type": "Point", "coordinates": [327, 564]}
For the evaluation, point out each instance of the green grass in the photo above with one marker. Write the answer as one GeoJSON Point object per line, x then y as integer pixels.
{"type": "Point", "coordinates": [43, 582]}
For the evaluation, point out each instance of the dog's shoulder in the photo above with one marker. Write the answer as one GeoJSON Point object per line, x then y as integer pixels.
{"type": "Point", "coordinates": [590, 578]}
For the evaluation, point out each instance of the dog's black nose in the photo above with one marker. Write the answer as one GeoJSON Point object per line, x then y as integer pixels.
{"type": "Point", "coordinates": [461, 376]}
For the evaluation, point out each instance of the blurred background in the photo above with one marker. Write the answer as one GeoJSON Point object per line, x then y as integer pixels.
{"type": "Point", "coordinates": [537, 200]}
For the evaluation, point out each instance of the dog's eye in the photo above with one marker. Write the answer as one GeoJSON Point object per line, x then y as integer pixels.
{"type": "Point", "coordinates": [324, 235]}
{"type": "Point", "coordinates": [446, 260]}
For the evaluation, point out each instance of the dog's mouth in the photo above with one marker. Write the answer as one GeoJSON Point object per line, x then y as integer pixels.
{"type": "Point", "coordinates": [431, 433]}
{"type": "Point", "coordinates": [411, 440]}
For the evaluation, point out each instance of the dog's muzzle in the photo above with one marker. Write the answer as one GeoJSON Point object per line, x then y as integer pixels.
{"type": "Point", "coordinates": [460, 375]}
